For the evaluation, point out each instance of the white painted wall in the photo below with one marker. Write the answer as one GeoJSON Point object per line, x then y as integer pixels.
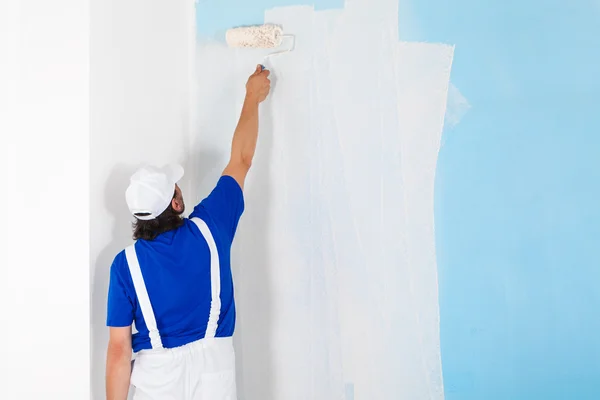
{"type": "Point", "coordinates": [44, 128]}
{"type": "Point", "coordinates": [140, 113]}
{"type": "Point", "coordinates": [334, 260]}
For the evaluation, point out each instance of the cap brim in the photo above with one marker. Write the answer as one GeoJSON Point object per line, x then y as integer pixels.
{"type": "Point", "coordinates": [174, 172]}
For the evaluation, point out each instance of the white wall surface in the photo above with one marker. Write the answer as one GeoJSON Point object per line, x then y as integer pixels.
{"type": "Point", "coordinates": [44, 175]}
{"type": "Point", "coordinates": [140, 113]}
{"type": "Point", "coordinates": [334, 260]}
{"type": "Point", "coordinates": [337, 292]}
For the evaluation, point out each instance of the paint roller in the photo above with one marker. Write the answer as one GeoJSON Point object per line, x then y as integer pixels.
{"type": "Point", "coordinates": [266, 36]}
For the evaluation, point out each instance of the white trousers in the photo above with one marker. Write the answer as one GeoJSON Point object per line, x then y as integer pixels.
{"type": "Point", "coordinates": [201, 370]}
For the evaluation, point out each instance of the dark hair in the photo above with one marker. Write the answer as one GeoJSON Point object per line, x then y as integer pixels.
{"type": "Point", "coordinates": [167, 221]}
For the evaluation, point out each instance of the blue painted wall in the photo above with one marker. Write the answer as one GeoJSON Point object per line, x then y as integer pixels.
{"type": "Point", "coordinates": [517, 198]}
{"type": "Point", "coordinates": [517, 191]}
{"type": "Point", "coordinates": [214, 17]}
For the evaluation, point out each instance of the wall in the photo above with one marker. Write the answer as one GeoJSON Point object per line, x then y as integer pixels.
{"type": "Point", "coordinates": [516, 223]}
{"type": "Point", "coordinates": [140, 113]}
{"type": "Point", "coordinates": [44, 116]}
{"type": "Point", "coordinates": [334, 260]}
{"type": "Point", "coordinates": [517, 193]}
{"type": "Point", "coordinates": [515, 197]}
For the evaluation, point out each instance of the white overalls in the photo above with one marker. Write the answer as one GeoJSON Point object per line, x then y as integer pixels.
{"type": "Point", "coordinates": [201, 370]}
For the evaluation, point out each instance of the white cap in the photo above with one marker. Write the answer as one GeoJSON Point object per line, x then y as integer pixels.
{"type": "Point", "coordinates": [151, 190]}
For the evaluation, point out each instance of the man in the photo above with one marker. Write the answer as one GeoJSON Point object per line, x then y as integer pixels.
{"type": "Point", "coordinates": [175, 282]}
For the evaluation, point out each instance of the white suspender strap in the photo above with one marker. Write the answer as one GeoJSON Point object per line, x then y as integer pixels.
{"type": "Point", "coordinates": [142, 296]}
{"type": "Point", "coordinates": [215, 279]}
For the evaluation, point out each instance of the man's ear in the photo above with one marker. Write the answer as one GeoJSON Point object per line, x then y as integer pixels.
{"type": "Point", "coordinates": [177, 205]}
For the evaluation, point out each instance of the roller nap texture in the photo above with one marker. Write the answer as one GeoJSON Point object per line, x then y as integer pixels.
{"type": "Point", "coordinates": [260, 36]}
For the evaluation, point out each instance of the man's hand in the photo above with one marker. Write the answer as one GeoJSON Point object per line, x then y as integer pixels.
{"type": "Point", "coordinates": [258, 85]}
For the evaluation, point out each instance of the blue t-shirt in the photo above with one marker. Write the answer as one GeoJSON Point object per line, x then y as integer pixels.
{"type": "Point", "coordinates": [176, 271]}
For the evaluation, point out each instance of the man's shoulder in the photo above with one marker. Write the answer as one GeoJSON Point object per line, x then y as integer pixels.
{"type": "Point", "coordinates": [119, 263]}
{"type": "Point", "coordinates": [200, 212]}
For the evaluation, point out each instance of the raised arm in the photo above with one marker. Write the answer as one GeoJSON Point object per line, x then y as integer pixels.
{"type": "Point", "coordinates": [246, 132]}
